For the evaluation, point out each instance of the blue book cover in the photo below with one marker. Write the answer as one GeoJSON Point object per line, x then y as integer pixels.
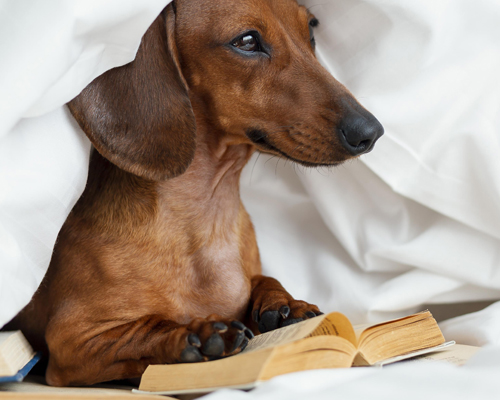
{"type": "Point", "coordinates": [22, 372]}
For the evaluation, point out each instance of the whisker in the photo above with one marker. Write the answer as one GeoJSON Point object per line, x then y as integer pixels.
{"type": "Point", "coordinates": [291, 154]}
{"type": "Point", "coordinates": [254, 164]}
{"type": "Point", "coordinates": [276, 167]}
{"type": "Point", "coordinates": [296, 147]}
{"type": "Point", "coordinates": [272, 157]}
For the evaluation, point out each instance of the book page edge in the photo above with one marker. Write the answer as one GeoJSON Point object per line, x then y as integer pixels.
{"type": "Point", "coordinates": [414, 354]}
{"type": "Point", "coordinates": [202, 390]}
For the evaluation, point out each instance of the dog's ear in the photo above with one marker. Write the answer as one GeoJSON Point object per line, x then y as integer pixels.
{"type": "Point", "coordinates": [139, 116]}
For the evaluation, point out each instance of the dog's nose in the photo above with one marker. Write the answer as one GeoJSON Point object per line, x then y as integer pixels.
{"type": "Point", "coordinates": [358, 133]}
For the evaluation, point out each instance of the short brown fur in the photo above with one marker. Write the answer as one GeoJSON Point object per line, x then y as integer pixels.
{"type": "Point", "coordinates": [159, 246]}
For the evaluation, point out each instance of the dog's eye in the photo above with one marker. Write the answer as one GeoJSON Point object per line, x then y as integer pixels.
{"type": "Point", "coordinates": [313, 24]}
{"type": "Point", "coordinates": [248, 43]}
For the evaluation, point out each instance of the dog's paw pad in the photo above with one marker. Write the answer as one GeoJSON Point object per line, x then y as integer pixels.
{"type": "Point", "coordinates": [191, 354]}
{"type": "Point", "coordinates": [214, 346]}
{"type": "Point", "coordinates": [269, 320]}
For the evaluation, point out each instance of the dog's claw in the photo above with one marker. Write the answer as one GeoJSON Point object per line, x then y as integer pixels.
{"type": "Point", "coordinates": [255, 315]}
{"type": "Point", "coordinates": [214, 346]}
{"type": "Point", "coordinates": [220, 326]}
{"type": "Point", "coordinates": [194, 340]}
{"type": "Point", "coordinates": [285, 312]}
{"type": "Point", "coordinates": [241, 327]}
{"type": "Point", "coordinates": [240, 336]}
{"type": "Point", "coordinates": [238, 325]}
{"type": "Point", "coordinates": [244, 344]}
{"type": "Point", "coordinates": [249, 334]}
{"type": "Point", "coordinates": [191, 354]}
{"type": "Point", "coordinates": [310, 314]}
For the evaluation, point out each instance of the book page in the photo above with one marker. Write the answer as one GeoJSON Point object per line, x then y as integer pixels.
{"type": "Point", "coordinates": [396, 339]}
{"type": "Point", "coordinates": [5, 335]}
{"type": "Point", "coordinates": [457, 355]}
{"type": "Point", "coordinates": [336, 324]}
{"type": "Point", "coordinates": [311, 353]}
{"type": "Point", "coordinates": [429, 352]}
{"type": "Point", "coordinates": [364, 329]}
{"type": "Point", "coordinates": [15, 352]}
{"type": "Point", "coordinates": [284, 335]}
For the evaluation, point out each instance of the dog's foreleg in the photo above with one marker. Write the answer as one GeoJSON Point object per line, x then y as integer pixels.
{"type": "Point", "coordinates": [126, 350]}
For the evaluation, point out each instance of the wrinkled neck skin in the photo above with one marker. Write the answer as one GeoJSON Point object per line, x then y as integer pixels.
{"type": "Point", "coordinates": [208, 192]}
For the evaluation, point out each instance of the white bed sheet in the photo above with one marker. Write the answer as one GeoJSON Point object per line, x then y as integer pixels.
{"type": "Point", "coordinates": [416, 221]}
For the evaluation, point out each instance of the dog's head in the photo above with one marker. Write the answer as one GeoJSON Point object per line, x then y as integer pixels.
{"type": "Point", "coordinates": [249, 68]}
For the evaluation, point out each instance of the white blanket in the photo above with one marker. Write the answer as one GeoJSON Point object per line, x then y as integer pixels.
{"type": "Point", "coordinates": [416, 221]}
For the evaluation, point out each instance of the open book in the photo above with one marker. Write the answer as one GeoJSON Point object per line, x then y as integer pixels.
{"type": "Point", "coordinates": [326, 341]}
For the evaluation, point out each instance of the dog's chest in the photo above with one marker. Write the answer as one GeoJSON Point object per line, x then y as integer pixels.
{"type": "Point", "coordinates": [204, 273]}
{"type": "Point", "coordinates": [219, 284]}
{"type": "Point", "coordinates": [212, 281]}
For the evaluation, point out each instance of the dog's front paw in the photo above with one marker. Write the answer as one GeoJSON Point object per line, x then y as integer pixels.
{"type": "Point", "coordinates": [281, 311]}
{"type": "Point", "coordinates": [212, 338]}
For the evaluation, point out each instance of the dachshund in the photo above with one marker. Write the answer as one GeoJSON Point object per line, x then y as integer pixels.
{"type": "Point", "coordinates": [158, 262]}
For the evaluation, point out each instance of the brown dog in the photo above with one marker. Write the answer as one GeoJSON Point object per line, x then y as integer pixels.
{"type": "Point", "coordinates": [157, 262]}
